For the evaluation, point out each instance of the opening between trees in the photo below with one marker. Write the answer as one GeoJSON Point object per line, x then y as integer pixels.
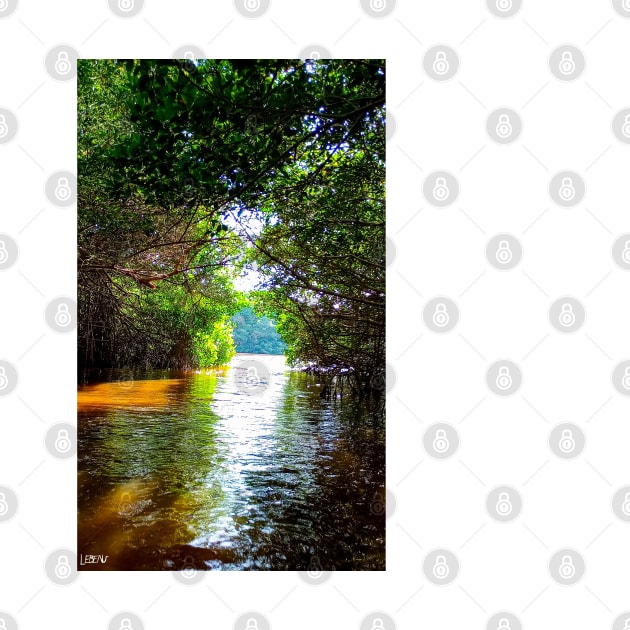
{"type": "Point", "coordinates": [192, 174]}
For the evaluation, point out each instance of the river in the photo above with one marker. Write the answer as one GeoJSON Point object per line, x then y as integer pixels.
{"type": "Point", "coordinates": [181, 469]}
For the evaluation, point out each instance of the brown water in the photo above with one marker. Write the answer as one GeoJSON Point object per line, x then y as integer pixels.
{"type": "Point", "coordinates": [181, 469]}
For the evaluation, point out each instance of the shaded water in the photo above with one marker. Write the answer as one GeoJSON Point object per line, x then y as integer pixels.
{"type": "Point", "coordinates": [181, 469]}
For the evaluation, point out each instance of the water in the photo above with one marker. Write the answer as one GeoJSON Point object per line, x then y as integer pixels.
{"type": "Point", "coordinates": [181, 469]}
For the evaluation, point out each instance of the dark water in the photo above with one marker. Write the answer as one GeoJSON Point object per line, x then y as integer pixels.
{"type": "Point", "coordinates": [183, 469]}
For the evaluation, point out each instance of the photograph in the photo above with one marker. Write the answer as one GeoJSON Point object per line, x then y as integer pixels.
{"type": "Point", "coordinates": [231, 373]}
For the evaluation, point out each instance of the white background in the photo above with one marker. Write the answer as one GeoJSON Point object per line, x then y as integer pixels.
{"type": "Point", "coordinates": [440, 378]}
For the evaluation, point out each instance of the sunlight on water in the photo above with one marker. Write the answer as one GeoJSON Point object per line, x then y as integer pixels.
{"type": "Point", "coordinates": [196, 466]}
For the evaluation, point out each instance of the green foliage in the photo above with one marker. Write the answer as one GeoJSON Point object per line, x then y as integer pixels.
{"type": "Point", "coordinates": [256, 335]}
{"type": "Point", "coordinates": [189, 171]}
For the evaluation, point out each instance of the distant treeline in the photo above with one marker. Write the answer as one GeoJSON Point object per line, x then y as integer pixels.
{"type": "Point", "coordinates": [256, 335]}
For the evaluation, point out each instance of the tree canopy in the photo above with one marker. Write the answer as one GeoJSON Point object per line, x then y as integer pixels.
{"type": "Point", "coordinates": [192, 173]}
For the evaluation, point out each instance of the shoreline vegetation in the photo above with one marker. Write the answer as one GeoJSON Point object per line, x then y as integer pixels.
{"type": "Point", "coordinates": [232, 206]}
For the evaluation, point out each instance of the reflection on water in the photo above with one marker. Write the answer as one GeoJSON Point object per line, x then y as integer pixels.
{"type": "Point", "coordinates": [182, 468]}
